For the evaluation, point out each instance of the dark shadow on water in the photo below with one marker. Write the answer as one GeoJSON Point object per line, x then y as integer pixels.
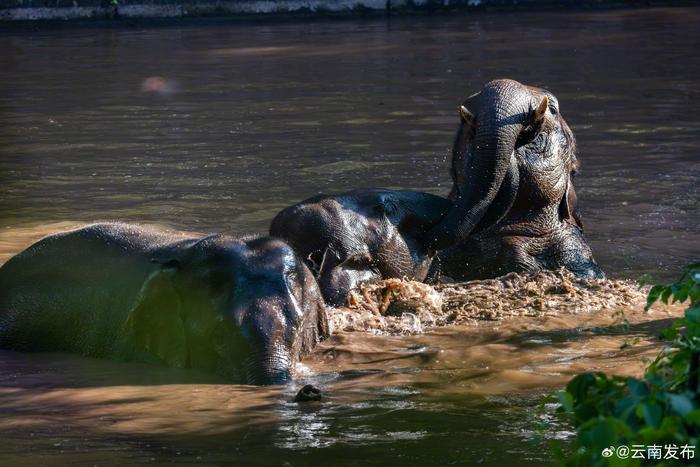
{"type": "Point", "coordinates": [52, 370]}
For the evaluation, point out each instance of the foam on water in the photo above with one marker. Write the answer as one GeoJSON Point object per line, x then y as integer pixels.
{"type": "Point", "coordinates": [394, 306]}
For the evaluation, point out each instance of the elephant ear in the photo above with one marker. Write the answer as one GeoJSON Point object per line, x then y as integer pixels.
{"type": "Point", "coordinates": [155, 324]}
{"type": "Point", "coordinates": [568, 206]}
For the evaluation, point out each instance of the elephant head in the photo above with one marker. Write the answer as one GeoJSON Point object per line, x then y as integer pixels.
{"type": "Point", "coordinates": [249, 308]}
{"type": "Point", "coordinates": [280, 307]}
{"type": "Point", "coordinates": [513, 163]}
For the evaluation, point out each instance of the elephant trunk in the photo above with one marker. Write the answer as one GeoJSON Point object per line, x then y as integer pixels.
{"type": "Point", "coordinates": [503, 107]}
{"type": "Point", "coordinates": [268, 325]}
{"type": "Point", "coordinates": [280, 327]}
{"type": "Point", "coordinates": [271, 365]}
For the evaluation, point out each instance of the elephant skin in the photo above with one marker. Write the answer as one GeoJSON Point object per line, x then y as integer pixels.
{"type": "Point", "coordinates": [514, 202]}
{"type": "Point", "coordinates": [245, 309]}
{"type": "Point", "coordinates": [361, 236]}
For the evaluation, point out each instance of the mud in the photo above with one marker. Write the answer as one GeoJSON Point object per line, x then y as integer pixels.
{"type": "Point", "coordinates": [401, 307]}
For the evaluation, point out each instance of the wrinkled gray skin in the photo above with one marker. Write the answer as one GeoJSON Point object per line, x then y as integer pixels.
{"type": "Point", "coordinates": [361, 236]}
{"type": "Point", "coordinates": [514, 202]}
{"type": "Point", "coordinates": [242, 308]}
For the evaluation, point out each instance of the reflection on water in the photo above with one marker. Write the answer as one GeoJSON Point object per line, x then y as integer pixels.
{"type": "Point", "coordinates": [217, 126]}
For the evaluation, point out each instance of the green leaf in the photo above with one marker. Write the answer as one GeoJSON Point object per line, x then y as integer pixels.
{"type": "Point", "coordinates": [615, 410]}
{"type": "Point", "coordinates": [651, 412]}
{"type": "Point", "coordinates": [615, 461]}
{"type": "Point", "coordinates": [637, 388]}
{"type": "Point", "coordinates": [654, 294]}
{"type": "Point", "coordinates": [692, 321]}
{"type": "Point", "coordinates": [566, 400]}
{"type": "Point", "coordinates": [604, 431]}
{"type": "Point", "coordinates": [578, 387]}
{"type": "Point", "coordinates": [689, 270]}
{"type": "Point", "coordinates": [680, 403]}
{"type": "Point", "coordinates": [680, 292]}
{"type": "Point", "coordinates": [694, 417]}
{"type": "Point", "coordinates": [694, 293]}
{"type": "Point", "coordinates": [666, 294]}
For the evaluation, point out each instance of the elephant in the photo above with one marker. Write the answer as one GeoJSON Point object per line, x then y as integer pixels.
{"type": "Point", "coordinates": [361, 236]}
{"type": "Point", "coordinates": [242, 308]}
{"type": "Point", "coordinates": [514, 205]}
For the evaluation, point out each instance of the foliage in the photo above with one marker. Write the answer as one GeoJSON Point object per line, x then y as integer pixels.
{"type": "Point", "coordinates": [660, 409]}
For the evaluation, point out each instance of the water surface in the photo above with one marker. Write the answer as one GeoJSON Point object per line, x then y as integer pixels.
{"type": "Point", "coordinates": [464, 395]}
{"type": "Point", "coordinates": [212, 126]}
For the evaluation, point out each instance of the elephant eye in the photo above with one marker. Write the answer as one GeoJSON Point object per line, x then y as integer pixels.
{"type": "Point", "coordinates": [576, 167]}
{"type": "Point", "coordinates": [529, 136]}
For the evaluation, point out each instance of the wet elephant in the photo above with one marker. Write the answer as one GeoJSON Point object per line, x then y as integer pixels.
{"type": "Point", "coordinates": [361, 236]}
{"type": "Point", "coordinates": [246, 308]}
{"type": "Point", "coordinates": [514, 203]}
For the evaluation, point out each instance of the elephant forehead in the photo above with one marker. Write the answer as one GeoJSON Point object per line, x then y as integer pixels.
{"type": "Point", "coordinates": [539, 93]}
{"type": "Point", "coordinates": [265, 315]}
{"type": "Point", "coordinates": [266, 254]}
{"type": "Point", "coordinates": [353, 218]}
{"type": "Point", "coordinates": [264, 291]}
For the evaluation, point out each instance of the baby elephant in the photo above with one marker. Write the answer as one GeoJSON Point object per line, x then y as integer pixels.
{"type": "Point", "coordinates": [242, 308]}
{"type": "Point", "coordinates": [361, 236]}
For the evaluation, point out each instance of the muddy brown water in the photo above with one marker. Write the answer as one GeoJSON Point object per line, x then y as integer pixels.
{"type": "Point", "coordinates": [211, 125]}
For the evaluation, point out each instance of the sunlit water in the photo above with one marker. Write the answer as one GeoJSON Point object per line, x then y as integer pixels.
{"type": "Point", "coordinates": [245, 119]}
